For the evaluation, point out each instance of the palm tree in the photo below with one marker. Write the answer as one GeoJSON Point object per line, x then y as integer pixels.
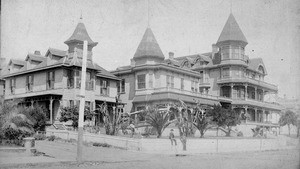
{"type": "Point", "coordinates": [158, 119]}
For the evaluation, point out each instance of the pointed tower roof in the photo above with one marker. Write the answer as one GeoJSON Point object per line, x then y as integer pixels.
{"type": "Point", "coordinates": [80, 34]}
{"type": "Point", "coordinates": [148, 46]}
{"type": "Point", "coordinates": [232, 31]}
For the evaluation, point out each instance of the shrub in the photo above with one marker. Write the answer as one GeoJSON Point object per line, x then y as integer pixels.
{"type": "Point", "coordinates": [39, 136]}
{"type": "Point", "coordinates": [101, 145]}
{"type": "Point", "coordinates": [15, 134]}
{"type": "Point", "coordinates": [51, 138]}
{"type": "Point", "coordinates": [240, 134]}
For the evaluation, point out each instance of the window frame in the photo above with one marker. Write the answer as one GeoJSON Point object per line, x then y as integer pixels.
{"type": "Point", "coordinates": [141, 83]}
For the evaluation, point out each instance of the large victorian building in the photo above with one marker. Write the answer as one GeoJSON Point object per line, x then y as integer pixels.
{"type": "Point", "coordinates": [54, 80]}
{"type": "Point", "coordinates": [223, 76]}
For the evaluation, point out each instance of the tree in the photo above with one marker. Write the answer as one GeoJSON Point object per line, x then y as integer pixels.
{"type": "Point", "coordinates": [226, 118]}
{"type": "Point", "coordinates": [72, 113]}
{"type": "Point", "coordinates": [201, 120]}
{"type": "Point", "coordinates": [37, 114]}
{"type": "Point", "coordinates": [288, 118]}
{"type": "Point", "coordinates": [183, 119]}
{"type": "Point", "coordinates": [112, 121]}
{"type": "Point", "coordinates": [158, 119]}
{"type": "Point", "coordinates": [14, 125]}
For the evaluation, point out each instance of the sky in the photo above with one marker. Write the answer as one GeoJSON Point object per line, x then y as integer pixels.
{"type": "Point", "coordinates": [272, 28]}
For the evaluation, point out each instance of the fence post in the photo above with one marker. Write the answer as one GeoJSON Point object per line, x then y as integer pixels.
{"type": "Point", "coordinates": [217, 145]}
{"type": "Point", "coordinates": [126, 144]}
{"type": "Point", "coordinates": [260, 144]}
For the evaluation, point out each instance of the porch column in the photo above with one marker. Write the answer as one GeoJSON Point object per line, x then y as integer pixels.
{"type": "Point", "coordinates": [263, 116]}
{"type": "Point", "coordinates": [255, 119]}
{"type": "Point", "coordinates": [51, 110]}
{"type": "Point", "coordinates": [263, 95]}
{"type": "Point", "coordinates": [246, 112]}
{"type": "Point", "coordinates": [32, 102]}
{"type": "Point", "coordinates": [246, 91]}
{"type": "Point", "coordinates": [231, 85]}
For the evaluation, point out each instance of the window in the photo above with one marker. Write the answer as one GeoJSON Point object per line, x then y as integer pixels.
{"type": "Point", "coordinates": [104, 87]}
{"type": "Point", "coordinates": [225, 72]}
{"type": "Point", "coordinates": [141, 116]}
{"type": "Point", "coordinates": [141, 81]}
{"type": "Point", "coordinates": [71, 103]}
{"type": "Point", "coordinates": [50, 80]}
{"type": "Point", "coordinates": [78, 78]}
{"type": "Point", "coordinates": [194, 86]}
{"type": "Point", "coordinates": [182, 84]}
{"type": "Point", "coordinates": [29, 83]}
{"type": "Point", "coordinates": [201, 77]}
{"type": "Point", "coordinates": [70, 78]}
{"type": "Point", "coordinates": [12, 85]}
{"type": "Point", "coordinates": [121, 86]}
{"type": "Point", "coordinates": [150, 80]}
{"type": "Point", "coordinates": [170, 81]}
{"type": "Point", "coordinates": [89, 82]}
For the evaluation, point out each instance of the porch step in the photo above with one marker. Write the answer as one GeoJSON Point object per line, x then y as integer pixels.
{"type": "Point", "coordinates": [59, 126]}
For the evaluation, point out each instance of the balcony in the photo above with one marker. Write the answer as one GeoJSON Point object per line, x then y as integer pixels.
{"type": "Point", "coordinates": [185, 92]}
{"type": "Point", "coordinates": [247, 80]}
{"type": "Point", "coordinates": [256, 103]}
{"type": "Point", "coordinates": [204, 82]}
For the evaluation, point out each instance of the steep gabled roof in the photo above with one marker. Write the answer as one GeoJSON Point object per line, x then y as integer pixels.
{"type": "Point", "coordinates": [255, 63]}
{"type": "Point", "coordinates": [80, 34]}
{"type": "Point", "coordinates": [56, 52]}
{"type": "Point", "coordinates": [148, 46]}
{"type": "Point", "coordinates": [17, 62]}
{"type": "Point", "coordinates": [232, 31]}
{"type": "Point", "coordinates": [34, 57]}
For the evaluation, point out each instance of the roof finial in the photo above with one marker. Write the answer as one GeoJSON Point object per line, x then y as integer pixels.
{"type": "Point", "coordinates": [148, 15]}
{"type": "Point", "coordinates": [230, 6]}
{"type": "Point", "coordinates": [80, 15]}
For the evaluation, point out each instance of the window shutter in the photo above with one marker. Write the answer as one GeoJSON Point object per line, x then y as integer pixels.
{"type": "Point", "coordinates": [27, 81]}
{"type": "Point", "coordinates": [107, 87]}
{"type": "Point", "coordinates": [32, 82]}
{"type": "Point", "coordinates": [47, 80]}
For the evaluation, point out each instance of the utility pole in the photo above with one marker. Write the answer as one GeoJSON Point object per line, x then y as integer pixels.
{"type": "Point", "coordinates": [82, 104]}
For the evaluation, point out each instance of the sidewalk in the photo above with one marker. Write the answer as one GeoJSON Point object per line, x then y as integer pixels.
{"type": "Point", "coordinates": [59, 152]}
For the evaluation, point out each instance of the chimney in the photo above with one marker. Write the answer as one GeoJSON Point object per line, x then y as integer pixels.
{"type": "Point", "coordinates": [215, 50]}
{"type": "Point", "coordinates": [132, 62]}
{"type": "Point", "coordinates": [171, 55]}
{"type": "Point", "coordinates": [37, 52]}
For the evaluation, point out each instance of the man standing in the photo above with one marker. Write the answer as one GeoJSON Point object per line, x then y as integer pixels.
{"type": "Point", "coordinates": [172, 137]}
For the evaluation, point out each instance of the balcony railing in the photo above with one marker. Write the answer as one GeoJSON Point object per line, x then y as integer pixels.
{"type": "Point", "coordinates": [186, 92]}
{"type": "Point", "coordinates": [247, 80]}
{"type": "Point", "coordinates": [204, 81]}
{"type": "Point", "coordinates": [271, 105]}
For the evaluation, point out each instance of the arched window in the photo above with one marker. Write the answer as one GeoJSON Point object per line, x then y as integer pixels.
{"type": "Point", "coordinates": [261, 70]}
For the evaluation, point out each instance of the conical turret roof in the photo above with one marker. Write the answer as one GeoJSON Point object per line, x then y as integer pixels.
{"type": "Point", "coordinates": [148, 46]}
{"type": "Point", "coordinates": [232, 31]}
{"type": "Point", "coordinates": [80, 34]}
